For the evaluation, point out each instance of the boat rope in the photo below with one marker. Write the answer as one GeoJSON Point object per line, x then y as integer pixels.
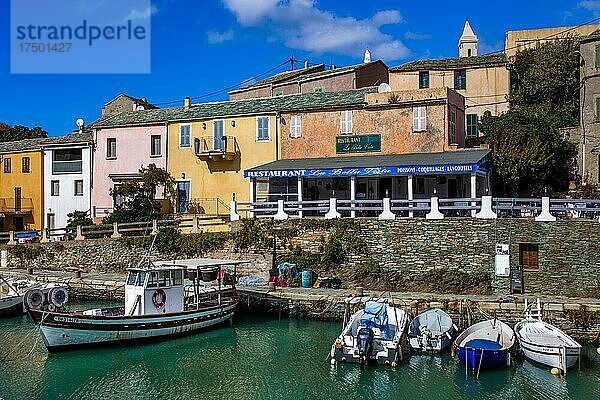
{"type": "Point", "coordinates": [480, 360]}
{"type": "Point", "coordinates": [28, 336]}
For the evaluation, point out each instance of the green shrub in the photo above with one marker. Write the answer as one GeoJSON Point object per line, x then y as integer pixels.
{"type": "Point", "coordinates": [168, 241]}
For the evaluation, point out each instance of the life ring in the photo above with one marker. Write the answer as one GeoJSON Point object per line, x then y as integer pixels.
{"type": "Point", "coordinates": [155, 298]}
{"type": "Point", "coordinates": [34, 299]}
{"type": "Point", "coordinates": [58, 296]}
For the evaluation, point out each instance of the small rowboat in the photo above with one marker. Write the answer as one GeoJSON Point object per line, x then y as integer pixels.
{"type": "Point", "coordinates": [485, 344]}
{"type": "Point", "coordinates": [431, 331]}
{"type": "Point", "coordinates": [544, 343]}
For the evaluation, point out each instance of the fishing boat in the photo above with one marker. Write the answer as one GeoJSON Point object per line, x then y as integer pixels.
{"type": "Point", "coordinates": [431, 331]}
{"type": "Point", "coordinates": [546, 344]}
{"type": "Point", "coordinates": [485, 344]}
{"type": "Point", "coordinates": [371, 335]}
{"type": "Point", "coordinates": [155, 306]}
{"type": "Point", "coordinates": [13, 292]}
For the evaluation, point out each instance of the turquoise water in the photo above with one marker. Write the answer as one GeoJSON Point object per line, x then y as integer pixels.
{"type": "Point", "coordinates": [262, 358]}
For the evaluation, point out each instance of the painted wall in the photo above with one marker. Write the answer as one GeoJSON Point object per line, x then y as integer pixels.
{"type": "Point", "coordinates": [133, 152]}
{"type": "Point", "coordinates": [66, 201]}
{"type": "Point", "coordinates": [524, 39]}
{"type": "Point", "coordinates": [220, 178]}
{"type": "Point", "coordinates": [31, 191]}
{"type": "Point", "coordinates": [486, 89]}
{"type": "Point", "coordinates": [392, 121]}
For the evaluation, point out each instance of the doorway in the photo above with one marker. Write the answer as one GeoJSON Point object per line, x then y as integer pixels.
{"type": "Point", "coordinates": [183, 197]}
{"type": "Point", "coordinates": [18, 223]}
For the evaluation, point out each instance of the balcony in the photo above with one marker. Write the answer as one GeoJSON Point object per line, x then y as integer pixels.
{"type": "Point", "coordinates": [207, 148]}
{"type": "Point", "coordinates": [21, 205]}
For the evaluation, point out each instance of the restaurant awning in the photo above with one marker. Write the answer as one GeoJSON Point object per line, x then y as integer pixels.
{"type": "Point", "coordinates": [449, 162]}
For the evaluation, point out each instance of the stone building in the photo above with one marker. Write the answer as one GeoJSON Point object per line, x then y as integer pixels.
{"type": "Point", "coordinates": [484, 80]}
{"type": "Point", "coordinates": [125, 103]}
{"type": "Point", "coordinates": [316, 79]}
{"type": "Point", "coordinates": [587, 135]}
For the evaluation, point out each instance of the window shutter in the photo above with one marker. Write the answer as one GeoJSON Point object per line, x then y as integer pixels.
{"type": "Point", "coordinates": [415, 118]}
{"type": "Point", "coordinates": [597, 108]}
{"type": "Point", "coordinates": [598, 56]}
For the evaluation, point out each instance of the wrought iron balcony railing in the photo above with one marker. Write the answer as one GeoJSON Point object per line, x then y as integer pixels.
{"type": "Point", "coordinates": [213, 148]}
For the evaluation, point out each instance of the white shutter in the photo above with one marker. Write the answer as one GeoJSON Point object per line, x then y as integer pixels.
{"type": "Point", "coordinates": [419, 119]}
{"type": "Point", "coordinates": [295, 127]}
{"type": "Point", "coordinates": [346, 122]}
{"type": "Point", "coordinates": [415, 119]}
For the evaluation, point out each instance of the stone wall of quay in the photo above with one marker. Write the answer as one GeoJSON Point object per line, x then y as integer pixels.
{"type": "Point", "coordinates": [568, 251]}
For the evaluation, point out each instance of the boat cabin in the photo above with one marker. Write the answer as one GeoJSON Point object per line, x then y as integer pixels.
{"type": "Point", "coordinates": [154, 290]}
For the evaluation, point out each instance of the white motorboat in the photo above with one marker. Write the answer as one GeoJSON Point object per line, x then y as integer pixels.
{"type": "Point", "coordinates": [12, 293]}
{"type": "Point", "coordinates": [371, 335]}
{"type": "Point", "coordinates": [544, 343]}
{"type": "Point", "coordinates": [155, 306]}
{"type": "Point", "coordinates": [431, 331]}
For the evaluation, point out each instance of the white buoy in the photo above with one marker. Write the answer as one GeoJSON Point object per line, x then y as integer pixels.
{"type": "Point", "coordinates": [598, 350]}
{"type": "Point", "coordinates": [555, 371]}
{"type": "Point", "coordinates": [332, 361]}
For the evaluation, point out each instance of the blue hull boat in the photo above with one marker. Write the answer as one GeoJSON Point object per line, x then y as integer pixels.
{"type": "Point", "coordinates": [485, 344]}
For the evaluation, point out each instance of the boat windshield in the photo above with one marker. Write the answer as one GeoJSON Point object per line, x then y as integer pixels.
{"type": "Point", "coordinates": [136, 278]}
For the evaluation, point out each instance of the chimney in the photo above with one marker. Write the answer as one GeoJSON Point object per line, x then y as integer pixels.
{"type": "Point", "coordinates": [305, 64]}
{"type": "Point", "coordinates": [187, 103]}
{"type": "Point", "coordinates": [367, 58]}
{"type": "Point", "coordinates": [332, 66]}
{"type": "Point", "coordinates": [144, 100]}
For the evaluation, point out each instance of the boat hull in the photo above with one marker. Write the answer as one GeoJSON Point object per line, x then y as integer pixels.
{"type": "Point", "coordinates": [61, 331]}
{"type": "Point", "coordinates": [550, 356]}
{"type": "Point", "coordinates": [434, 345]}
{"type": "Point", "coordinates": [482, 359]}
{"type": "Point", "coordinates": [11, 306]}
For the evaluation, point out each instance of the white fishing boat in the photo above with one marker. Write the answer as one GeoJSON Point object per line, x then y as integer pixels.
{"type": "Point", "coordinates": [431, 331]}
{"type": "Point", "coordinates": [155, 307]}
{"type": "Point", "coordinates": [12, 293]}
{"type": "Point", "coordinates": [371, 335]}
{"type": "Point", "coordinates": [546, 344]}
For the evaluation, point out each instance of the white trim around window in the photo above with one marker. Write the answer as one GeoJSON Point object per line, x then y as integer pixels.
{"type": "Point", "coordinates": [185, 138]}
{"type": "Point", "coordinates": [261, 136]}
{"type": "Point", "coordinates": [419, 119]}
{"type": "Point", "coordinates": [295, 126]}
{"type": "Point", "coordinates": [346, 122]}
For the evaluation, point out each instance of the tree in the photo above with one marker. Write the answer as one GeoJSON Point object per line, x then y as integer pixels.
{"type": "Point", "coordinates": [139, 196]}
{"type": "Point", "coordinates": [529, 152]}
{"type": "Point", "coordinates": [78, 218]}
{"type": "Point", "coordinates": [10, 133]}
{"type": "Point", "coordinates": [548, 74]}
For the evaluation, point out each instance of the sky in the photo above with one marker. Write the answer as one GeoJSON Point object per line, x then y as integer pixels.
{"type": "Point", "coordinates": [199, 47]}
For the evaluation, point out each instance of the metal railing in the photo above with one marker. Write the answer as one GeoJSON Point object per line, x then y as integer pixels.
{"type": "Point", "coordinates": [17, 205]}
{"type": "Point", "coordinates": [208, 206]}
{"type": "Point", "coordinates": [542, 209]}
{"type": "Point", "coordinates": [210, 144]}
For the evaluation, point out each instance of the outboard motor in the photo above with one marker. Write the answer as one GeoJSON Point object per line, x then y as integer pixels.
{"type": "Point", "coordinates": [364, 338]}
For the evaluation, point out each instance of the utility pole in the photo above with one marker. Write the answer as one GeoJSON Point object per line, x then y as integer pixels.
{"type": "Point", "coordinates": [292, 60]}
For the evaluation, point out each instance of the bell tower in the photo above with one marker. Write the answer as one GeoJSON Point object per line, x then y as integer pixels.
{"type": "Point", "coordinates": [467, 44]}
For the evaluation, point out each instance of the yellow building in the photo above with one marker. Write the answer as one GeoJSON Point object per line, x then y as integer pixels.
{"type": "Point", "coordinates": [21, 186]}
{"type": "Point", "coordinates": [208, 157]}
{"type": "Point", "coordinates": [528, 38]}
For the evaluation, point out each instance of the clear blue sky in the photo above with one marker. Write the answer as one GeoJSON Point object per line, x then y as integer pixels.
{"type": "Point", "coordinates": [200, 47]}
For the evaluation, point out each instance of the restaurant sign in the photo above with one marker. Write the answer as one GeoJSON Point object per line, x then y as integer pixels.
{"type": "Point", "coordinates": [357, 143]}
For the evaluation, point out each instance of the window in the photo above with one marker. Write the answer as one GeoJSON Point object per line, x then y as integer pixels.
{"type": "Point", "coordinates": [419, 119]}
{"type": "Point", "coordinates": [460, 79]}
{"type": "Point", "coordinates": [54, 188]}
{"type": "Point", "coordinates": [79, 187]}
{"type": "Point", "coordinates": [346, 124]}
{"type": "Point", "coordinates": [528, 255]}
{"type": "Point", "coordinates": [184, 135]}
{"type": "Point", "coordinates": [68, 161]}
{"type": "Point", "coordinates": [155, 146]}
{"type": "Point", "coordinates": [111, 148]}
{"type": "Point", "coordinates": [472, 125]}
{"type": "Point", "coordinates": [419, 185]}
{"type": "Point", "coordinates": [423, 79]}
{"type": "Point", "coordinates": [51, 221]}
{"type": "Point", "coordinates": [295, 126]}
{"type": "Point", "coordinates": [7, 165]}
{"type": "Point", "coordinates": [597, 118]}
{"type": "Point", "coordinates": [262, 128]}
{"type": "Point", "coordinates": [25, 164]}
{"type": "Point", "coordinates": [598, 56]}
{"type": "Point", "coordinates": [452, 125]}
{"type": "Point", "coordinates": [218, 134]}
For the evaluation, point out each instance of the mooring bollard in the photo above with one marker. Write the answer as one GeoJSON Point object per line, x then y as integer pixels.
{"type": "Point", "coordinates": [387, 213]}
{"type": "Point", "coordinates": [233, 214]}
{"type": "Point", "coordinates": [11, 238]}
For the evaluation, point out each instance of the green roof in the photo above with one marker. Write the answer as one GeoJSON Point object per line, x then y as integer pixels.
{"type": "Point", "coordinates": [379, 160]}
{"type": "Point", "coordinates": [288, 103]}
{"type": "Point", "coordinates": [18, 146]}
{"type": "Point", "coordinates": [453, 63]}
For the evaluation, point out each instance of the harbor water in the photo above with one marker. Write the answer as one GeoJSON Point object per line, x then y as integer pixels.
{"type": "Point", "coordinates": [262, 358]}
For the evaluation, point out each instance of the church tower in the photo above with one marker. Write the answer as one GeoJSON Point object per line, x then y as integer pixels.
{"type": "Point", "coordinates": [467, 44]}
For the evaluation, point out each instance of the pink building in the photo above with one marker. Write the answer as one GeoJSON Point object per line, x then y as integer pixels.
{"type": "Point", "coordinates": [119, 154]}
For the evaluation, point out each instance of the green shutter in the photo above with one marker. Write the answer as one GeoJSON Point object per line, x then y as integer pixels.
{"type": "Point", "coordinates": [598, 56]}
{"type": "Point", "coordinates": [472, 125]}
{"type": "Point", "coordinates": [597, 108]}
